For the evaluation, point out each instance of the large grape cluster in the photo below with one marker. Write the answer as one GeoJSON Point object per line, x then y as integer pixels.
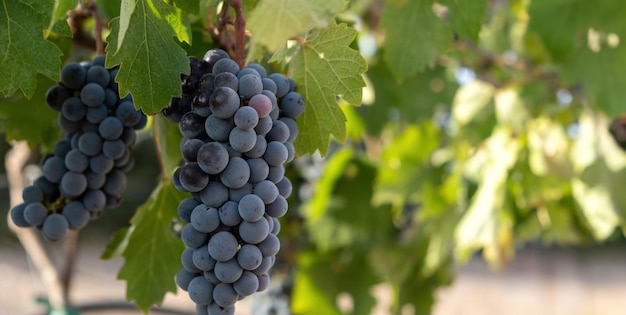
{"type": "Point", "coordinates": [238, 127]}
{"type": "Point", "coordinates": [86, 172]}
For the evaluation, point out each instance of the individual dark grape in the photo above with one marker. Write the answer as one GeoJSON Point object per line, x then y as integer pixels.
{"type": "Point", "coordinates": [229, 213]}
{"type": "Point", "coordinates": [184, 277]}
{"type": "Point", "coordinates": [113, 149]}
{"type": "Point", "coordinates": [284, 187]}
{"type": "Point", "coordinates": [35, 213]}
{"type": "Point", "coordinates": [258, 170]}
{"type": "Point", "coordinates": [292, 126]}
{"type": "Point", "coordinates": [99, 75]}
{"type": "Point", "coordinates": [217, 128]}
{"type": "Point", "coordinates": [251, 208]}
{"type": "Point", "coordinates": [92, 94]}
{"type": "Point", "coordinates": [76, 215]}
{"type": "Point", "coordinates": [236, 173]}
{"type": "Point", "coordinates": [73, 184]}
{"type": "Point", "coordinates": [264, 282]}
{"type": "Point", "coordinates": [246, 71]}
{"type": "Point", "coordinates": [253, 232]}
{"type": "Point", "coordinates": [275, 153]}
{"type": "Point", "coordinates": [263, 126]}
{"type": "Point", "coordinates": [214, 195]}
{"type": "Point", "coordinates": [265, 266]}
{"type": "Point", "coordinates": [225, 65]}
{"type": "Point", "coordinates": [250, 85]}
{"type": "Point", "coordinates": [190, 149]}
{"type": "Point", "coordinates": [185, 208]}
{"type": "Point", "coordinates": [32, 194]}
{"type": "Point", "coordinates": [277, 208]}
{"type": "Point", "coordinates": [56, 95]}
{"type": "Point", "coordinates": [262, 104]}
{"type": "Point", "coordinates": [186, 259]}
{"type": "Point", "coordinates": [269, 246]}
{"type": "Point", "coordinates": [90, 143]}
{"type": "Point", "coordinates": [247, 284]}
{"type": "Point", "coordinates": [127, 114]}
{"type": "Point", "coordinates": [96, 114]}
{"type": "Point", "coordinates": [259, 69]}
{"type": "Point", "coordinates": [228, 271]}
{"type": "Point", "coordinates": [207, 82]}
{"type": "Point", "coordinates": [223, 246]}
{"type": "Point", "coordinates": [200, 103]}
{"type": "Point", "coordinates": [258, 149]}
{"type": "Point", "coordinates": [246, 118]}
{"type": "Point", "coordinates": [200, 291]}
{"type": "Point", "coordinates": [17, 215]}
{"type": "Point", "coordinates": [292, 105]}
{"type": "Point", "coordinates": [279, 132]}
{"type": "Point", "coordinates": [73, 109]}
{"type": "Point", "coordinates": [110, 128]}
{"type": "Point", "coordinates": [55, 227]}
{"type": "Point", "coordinates": [73, 76]}
{"type": "Point", "coordinates": [266, 191]}
{"type": "Point", "coordinates": [115, 183]}
{"type": "Point", "coordinates": [224, 295]}
{"type": "Point", "coordinates": [282, 84]}
{"type": "Point", "coordinates": [224, 102]}
{"type": "Point", "coordinates": [213, 55]}
{"type": "Point", "coordinates": [215, 309]}
{"type": "Point", "coordinates": [191, 125]}
{"type": "Point", "coordinates": [226, 79]}
{"type": "Point", "coordinates": [291, 151]}
{"type": "Point", "coordinates": [205, 219]}
{"type": "Point", "coordinates": [192, 237]}
{"type": "Point", "coordinates": [100, 164]}
{"type": "Point", "coordinates": [202, 259]}
{"type": "Point", "coordinates": [53, 169]}
{"type": "Point", "coordinates": [68, 126]}
{"type": "Point", "coordinates": [212, 158]}
{"type": "Point", "coordinates": [192, 178]}
{"type": "Point", "coordinates": [276, 173]}
{"type": "Point", "coordinates": [276, 226]}
{"type": "Point", "coordinates": [249, 257]}
{"type": "Point", "coordinates": [62, 147]}
{"type": "Point", "coordinates": [94, 199]}
{"type": "Point", "coordinates": [242, 140]}
{"type": "Point", "coordinates": [235, 194]}
{"type": "Point", "coordinates": [269, 85]}
{"type": "Point", "coordinates": [76, 161]}
{"type": "Point", "coordinates": [95, 180]}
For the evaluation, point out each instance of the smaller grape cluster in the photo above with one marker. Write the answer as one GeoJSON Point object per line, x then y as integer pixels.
{"type": "Point", "coordinates": [238, 126]}
{"type": "Point", "coordinates": [86, 172]}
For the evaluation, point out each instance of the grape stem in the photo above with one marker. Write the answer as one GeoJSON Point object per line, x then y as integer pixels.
{"type": "Point", "coordinates": [240, 32]}
{"type": "Point", "coordinates": [98, 26]}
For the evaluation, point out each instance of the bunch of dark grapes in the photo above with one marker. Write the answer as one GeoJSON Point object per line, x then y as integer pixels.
{"type": "Point", "coordinates": [238, 127]}
{"type": "Point", "coordinates": [86, 172]}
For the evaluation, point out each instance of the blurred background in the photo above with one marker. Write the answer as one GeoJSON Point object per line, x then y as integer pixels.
{"type": "Point", "coordinates": [483, 173]}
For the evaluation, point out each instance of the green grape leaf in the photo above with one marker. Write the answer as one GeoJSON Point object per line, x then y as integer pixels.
{"type": "Point", "coordinates": [167, 140]}
{"type": "Point", "coordinates": [116, 247]}
{"type": "Point", "coordinates": [485, 224]}
{"type": "Point", "coordinates": [150, 60]}
{"type": "Point", "coordinates": [189, 6]}
{"type": "Point", "coordinates": [59, 12]}
{"type": "Point", "coordinates": [324, 68]}
{"type": "Point", "coordinates": [31, 120]}
{"type": "Point", "coordinates": [23, 50]}
{"type": "Point", "coordinates": [466, 17]}
{"type": "Point", "coordinates": [600, 166]}
{"type": "Point", "coordinates": [417, 98]}
{"type": "Point", "coordinates": [109, 9]}
{"type": "Point", "coordinates": [273, 22]}
{"type": "Point", "coordinates": [153, 251]}
{"type": "Point", "coordinates": [414, 37]}
{"type": "Point", "coordinates": [322, 277]}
